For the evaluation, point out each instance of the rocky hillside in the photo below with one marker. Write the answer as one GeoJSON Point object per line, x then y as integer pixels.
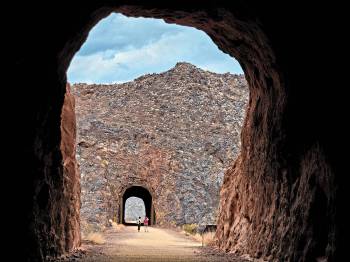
{"type": "Point", "coordinates": [174, 133]}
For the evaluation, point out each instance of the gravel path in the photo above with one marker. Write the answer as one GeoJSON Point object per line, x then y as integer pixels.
{"type": "Point", "coordinates": [157, 245]}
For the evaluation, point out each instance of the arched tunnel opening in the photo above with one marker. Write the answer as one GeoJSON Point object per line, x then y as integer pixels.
{"type": "Point", "coordinates": [282, 200]}
{"type": "Point", "coordinates": [142, 193]}
{"type": "Point", "coordinates": [173, 131]}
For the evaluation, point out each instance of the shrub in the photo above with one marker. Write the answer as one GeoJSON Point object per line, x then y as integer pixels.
{"type": "Point", "coordinates": [96, 238]}
{"type": "Point", "coordinates": [208, 238]}
{"type": "Point", "coordinates": [190, 228]}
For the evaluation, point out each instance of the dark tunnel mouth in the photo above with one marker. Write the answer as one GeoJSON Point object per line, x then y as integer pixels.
{"type": "Point", "coordinates": [277, 149]}
{"type": "Point", "coordinates": [145, 195]}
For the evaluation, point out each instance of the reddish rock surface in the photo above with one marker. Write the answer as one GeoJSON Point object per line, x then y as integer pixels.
{"type": "Point", "coordinates": [70, 238]}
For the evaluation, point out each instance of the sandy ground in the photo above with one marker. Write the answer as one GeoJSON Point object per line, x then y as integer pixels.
{"type": "Point", "coordinates": [128, 245]}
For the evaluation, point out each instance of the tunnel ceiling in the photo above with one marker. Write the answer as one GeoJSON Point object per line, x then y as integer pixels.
{"type": "Point", "coordinates": [137, 191]}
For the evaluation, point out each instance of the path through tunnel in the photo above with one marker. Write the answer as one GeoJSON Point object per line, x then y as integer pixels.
{"type": "Point", "coordinates": [288, 166]}
{"type": "Point", "coordinates": [145, 195]}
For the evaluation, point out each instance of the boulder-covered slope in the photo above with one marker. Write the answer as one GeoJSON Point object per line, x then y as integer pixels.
{"type": "Point", "coordinates": [174, 133]}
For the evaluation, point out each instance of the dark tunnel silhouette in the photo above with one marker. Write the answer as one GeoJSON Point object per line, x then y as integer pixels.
{"type": "Point", "coordinates": [145, 195]}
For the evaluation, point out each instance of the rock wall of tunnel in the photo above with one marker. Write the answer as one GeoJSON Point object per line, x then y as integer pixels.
{"type": "Point", "coordinates": [68, 233]}
{"type": "Point", "coordinates": [285, 207]}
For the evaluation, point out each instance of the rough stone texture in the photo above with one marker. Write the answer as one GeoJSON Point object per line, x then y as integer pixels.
{"type": "Point", "coordinates": [70, 216]}
{"type": "Point", "coordinates": [273, 216]}
{"type": "Point", "coordinates": [174, 132]}
{"type": "Point", "coordinates": [294, 126]}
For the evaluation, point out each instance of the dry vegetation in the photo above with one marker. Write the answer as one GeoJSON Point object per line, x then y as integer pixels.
{"type": "Point", "coordinates": [117, 227]}
{"type": "Point", "coordinates": [206, 238]}
{"type": "Point", "coordinates": [190, 228]}
{"type": "Point", "coordinates": [95, 237]}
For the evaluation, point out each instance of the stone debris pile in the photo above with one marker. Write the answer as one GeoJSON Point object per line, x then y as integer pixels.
{"type": "Point", "coordinates": [174, 132]}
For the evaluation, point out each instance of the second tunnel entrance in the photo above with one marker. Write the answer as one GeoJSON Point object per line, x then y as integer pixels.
{"type": "Point", "coordinates": [145, 195]}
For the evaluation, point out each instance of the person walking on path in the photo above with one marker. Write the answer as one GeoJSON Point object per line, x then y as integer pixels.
{"type": "Point", "coordinates": [138, 224]}
{"type": "Point", "coordinates": [145, 223]}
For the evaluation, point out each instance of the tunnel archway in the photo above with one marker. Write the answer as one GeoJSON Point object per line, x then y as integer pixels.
{"type": "Point", "coordinates": [140, 192]}
{"type": "Point", "coordinates": [282, 170]}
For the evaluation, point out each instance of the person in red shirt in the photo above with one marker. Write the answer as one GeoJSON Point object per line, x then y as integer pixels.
{"type": "Point", "coordinates": [145, 223]}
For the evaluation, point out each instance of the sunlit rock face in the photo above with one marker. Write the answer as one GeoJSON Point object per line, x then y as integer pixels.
{"type": "Point", "coordinates": [174, 132]}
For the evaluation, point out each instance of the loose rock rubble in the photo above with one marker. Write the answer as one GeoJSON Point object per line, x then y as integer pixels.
{"type": "Point", "coordinates": [174, 132]}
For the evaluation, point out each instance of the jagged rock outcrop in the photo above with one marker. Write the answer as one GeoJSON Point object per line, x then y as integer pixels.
{"type": "Point", "coordinates": [70, 236]}
{"type": "Point", "coordinates": [174, 132]}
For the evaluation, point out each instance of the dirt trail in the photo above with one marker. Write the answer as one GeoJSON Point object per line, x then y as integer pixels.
{"type": "Point", "coordinates": [157, 245]}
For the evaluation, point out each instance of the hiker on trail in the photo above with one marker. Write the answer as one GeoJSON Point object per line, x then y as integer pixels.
{"type": "Point", "coordinates": [145, 223]}
{"type": "Point", "coordinates": [139, 224]}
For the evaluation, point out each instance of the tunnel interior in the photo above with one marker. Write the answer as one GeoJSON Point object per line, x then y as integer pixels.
{"type": "Point", "coordinates": [145, 195]}
{"type": "Point", "coordinates": [289, 164]}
